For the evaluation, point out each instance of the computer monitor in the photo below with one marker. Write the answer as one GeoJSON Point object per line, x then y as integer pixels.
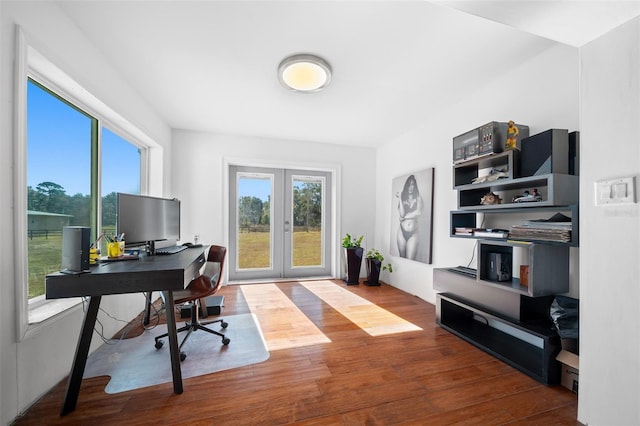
{"type": "Point", "coordinates": [145, 220]}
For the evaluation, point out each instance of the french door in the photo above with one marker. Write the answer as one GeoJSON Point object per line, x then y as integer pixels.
{"type": "Point", "coordinates": [279, 223]}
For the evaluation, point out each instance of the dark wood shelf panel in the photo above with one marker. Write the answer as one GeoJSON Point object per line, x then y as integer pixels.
{"type": "Point", "coordinates": [464, 173]}
{"type": "Point", "coordinates": [512, 285]}
{"type": "Point", "coordinates": [548, 267]}
{"type": "Point", "coordinates": [467, 218]}
{"type": "Point", "coordinates": [555, 189]}
{"type": "Point", "coordinates": [515, 352]}
{"type": "Point", "coordinates": [475, 326]}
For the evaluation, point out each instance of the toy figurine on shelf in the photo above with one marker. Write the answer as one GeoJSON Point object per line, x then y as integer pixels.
{"type": "Point", "coordinates": [512, 135]}
{"type": "Point", "coordinates": [494, 174]}
{"type": "Point", "coordinates": [490, 199]}
{"type": "Point", "coordinates": [527, 197]}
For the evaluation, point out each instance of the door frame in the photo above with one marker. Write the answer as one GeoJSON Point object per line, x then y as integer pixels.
{"type": "Point", "coordinates": [276, 228]}
{"type": "Point", "coordinates": [288, 246]}
{"type": "Point", "coordinates": [334, 169]}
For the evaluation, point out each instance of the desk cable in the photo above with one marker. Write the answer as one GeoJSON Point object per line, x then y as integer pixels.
{"type": "Point", "coordinates": [124, 331]}
{"type": "Point", "coordinates": [100, 332]}
{"type": "Point", "coordinates": [156, 312]}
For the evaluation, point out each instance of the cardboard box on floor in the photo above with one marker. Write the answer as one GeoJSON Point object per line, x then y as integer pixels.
{"type": "Point", "coordinates": [570, 369]}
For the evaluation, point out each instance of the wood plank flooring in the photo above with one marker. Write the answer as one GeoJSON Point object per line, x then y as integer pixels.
{"type": "Point", "coordinates": [425, 377]}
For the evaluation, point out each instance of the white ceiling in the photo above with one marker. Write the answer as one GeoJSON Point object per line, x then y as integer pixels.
{"type": "Point", "coordinates": [571, 22]}
{"type": "Point", "coordinates": [211, 65]}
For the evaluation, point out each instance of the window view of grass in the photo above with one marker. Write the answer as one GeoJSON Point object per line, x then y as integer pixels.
{"type": "Point", "coordinates": [307, 248]}
{"type": "Point", "coordinates": [45, 255]}
{"type": "Point", "coordinates": [254, 249]}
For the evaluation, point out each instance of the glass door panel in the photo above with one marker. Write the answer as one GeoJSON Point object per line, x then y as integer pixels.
{"type": "Point", "coordinates": [254, 251]}
{"type": "Point", "coordinates": [255, 239]}
{"type": "Point", "coordinates": [266, 242]}
{"type": "Point", "coordinates": [306, 231]}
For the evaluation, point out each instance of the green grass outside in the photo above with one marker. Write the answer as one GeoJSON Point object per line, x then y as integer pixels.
{"type": "Point", "coordinates": [307, 248]}
{"type": "Point", "coordinates": [254, 250]}
{"type": "Point", "coordinates": [45, 257]}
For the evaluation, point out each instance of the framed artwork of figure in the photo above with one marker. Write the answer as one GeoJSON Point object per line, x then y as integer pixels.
{"type": "Point", "coordinates": [412, 216]}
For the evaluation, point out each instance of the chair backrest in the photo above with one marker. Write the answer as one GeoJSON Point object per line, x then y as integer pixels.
{"type": "Point", "coordinates": [215, 265]}
{"type": "Point", "coordinates": [211, 278]}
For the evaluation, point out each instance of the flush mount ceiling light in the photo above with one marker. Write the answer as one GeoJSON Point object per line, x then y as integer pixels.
{"type": "Point", "coordinates": [304, 73]}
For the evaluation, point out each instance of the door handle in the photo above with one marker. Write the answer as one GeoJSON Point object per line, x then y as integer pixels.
{"type": "Point", "coordinates": [286, 226]}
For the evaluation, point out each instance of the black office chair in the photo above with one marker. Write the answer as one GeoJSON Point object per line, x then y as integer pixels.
{"type": "Point", "coordinates": [195, 293]}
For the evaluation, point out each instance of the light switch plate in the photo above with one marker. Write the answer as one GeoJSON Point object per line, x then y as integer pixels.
{"type": "Point", "coordinates": [616, 191]}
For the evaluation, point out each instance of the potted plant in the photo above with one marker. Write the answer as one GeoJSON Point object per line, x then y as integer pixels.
{"type": "Point", "coordinates": [353, 253]}
{"type": "Point", "coordinates": [374, 264]}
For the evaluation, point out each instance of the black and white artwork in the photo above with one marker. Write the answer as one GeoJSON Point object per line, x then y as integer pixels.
{"type": "Point", "coordinates": [412, 216]}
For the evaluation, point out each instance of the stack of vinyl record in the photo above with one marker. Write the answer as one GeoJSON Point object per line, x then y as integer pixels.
{"type": "Point", "coordinates": [557, 228]}
{"type": "Point", "coordinates": [463, 231]}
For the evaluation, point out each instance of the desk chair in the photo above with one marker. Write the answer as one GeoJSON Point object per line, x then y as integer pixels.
{"type": "Point", "coordinates": [195, 293]}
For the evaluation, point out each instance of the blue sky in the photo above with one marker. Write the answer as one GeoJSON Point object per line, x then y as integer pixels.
{"type": "Point", "coordinates": [59, 142]}
{"type": "Point", "coordinates": [254, 187]}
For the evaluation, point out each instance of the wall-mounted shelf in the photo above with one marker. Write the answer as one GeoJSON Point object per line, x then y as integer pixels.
{"type": "Point", "coordinates": [555, 189]}
{"type": "Point", "coordinates": [465, 173]}
{"type": "Point", "coordinates": [513, 305]}
{"type": "Point", "coordinates": [548, 267]}
{"type": "Point", "coordinates": [469, 219]}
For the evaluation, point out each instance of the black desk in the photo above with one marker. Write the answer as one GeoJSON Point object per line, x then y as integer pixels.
{"type": "Point", "coordinates": [149, 273]}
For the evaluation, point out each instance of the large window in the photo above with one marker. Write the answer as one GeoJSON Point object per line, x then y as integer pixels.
{"type": "Point", "coordinates": [75, 166]}
{"type": "Point", "coordinates": [120, 173]}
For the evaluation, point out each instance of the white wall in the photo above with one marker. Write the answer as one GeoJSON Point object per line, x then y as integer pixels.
{"type": "Point", "coordinates": [31, 367]}
{"type": "Point", "coordinates": [610, 237]}
{"type": "Point", "coordinates": [199, 163]}
{"type": "Point", "coordinates": [541, 93]}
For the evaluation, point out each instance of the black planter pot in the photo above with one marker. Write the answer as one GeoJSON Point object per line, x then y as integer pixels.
{"type": "Point", "coordinates": [373, 271]}
{"type": "Point", "coordinates": [354, 263]}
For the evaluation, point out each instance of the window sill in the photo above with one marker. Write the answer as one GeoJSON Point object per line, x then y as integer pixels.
{"type": "Point", "coordinates": [41, 309]}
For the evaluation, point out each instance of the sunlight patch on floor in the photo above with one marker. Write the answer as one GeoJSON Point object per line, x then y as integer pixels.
{"type": "Point", "coordinates": [366, 315]}
{"type": "Point", "coordinates": [283, 324]}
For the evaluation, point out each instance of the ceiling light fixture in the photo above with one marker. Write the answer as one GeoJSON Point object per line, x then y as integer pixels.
{"type": "Point", "coordinates": [304, 73]}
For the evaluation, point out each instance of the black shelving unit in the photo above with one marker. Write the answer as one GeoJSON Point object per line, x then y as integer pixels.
{"type": "Point", "coordinates": [534, 356]}
{"type": "Point", "coordinates": [499, 312]}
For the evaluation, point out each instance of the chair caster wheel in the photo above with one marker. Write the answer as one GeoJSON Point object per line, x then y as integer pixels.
{"type": "Point", "coordinates": [225, 341]}
{"type": "Point", "coordinates": [224, 324]}
{"type": "Point", "coordinates": [159, 344]}
{"type": "Point", "coordinates": [183, 356]}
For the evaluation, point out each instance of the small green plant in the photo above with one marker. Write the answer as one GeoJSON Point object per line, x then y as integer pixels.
{"type": "Point", "coordinates": [350, 242]}
{"type": "Point", "coordinates": [376, 255]}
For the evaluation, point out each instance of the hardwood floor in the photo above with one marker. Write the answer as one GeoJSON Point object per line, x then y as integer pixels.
{"type": "Point", "coordinates": [419, 377]}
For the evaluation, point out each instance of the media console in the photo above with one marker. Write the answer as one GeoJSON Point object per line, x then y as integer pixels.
{"type": "Point", "coordinates": [530, 346]}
